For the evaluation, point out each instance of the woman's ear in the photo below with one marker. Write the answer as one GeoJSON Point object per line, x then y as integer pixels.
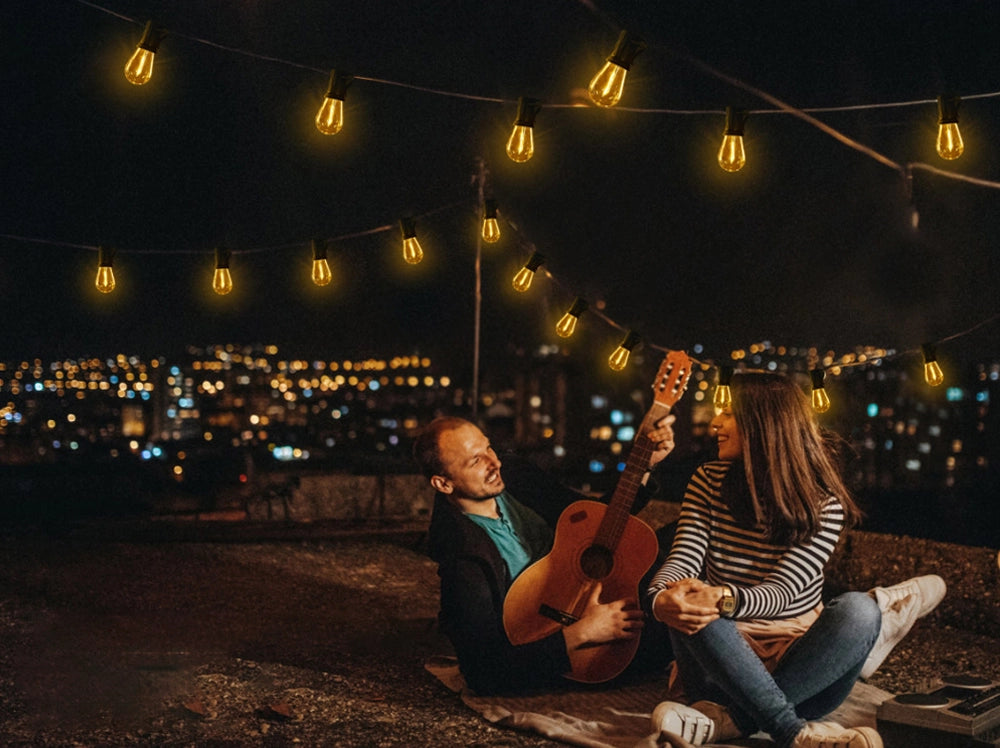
{"type": "Point", "coordinates": [441, 484]}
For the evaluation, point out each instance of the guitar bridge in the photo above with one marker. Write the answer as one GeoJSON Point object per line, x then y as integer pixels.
{"type": "Point", "coordinates": [558, 616]}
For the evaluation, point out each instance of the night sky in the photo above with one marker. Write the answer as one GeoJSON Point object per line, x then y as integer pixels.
{"type": "Point", "coordinates": [809, 245]}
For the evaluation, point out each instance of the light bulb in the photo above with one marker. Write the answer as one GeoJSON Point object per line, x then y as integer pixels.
{"type": "Point", "coordinates": [330, 118]}
{"type": "Point", "coordinates": [321, 274]}
{"type": "Point", "coordinates": [521, 144]}
{"type": "Point", "coordinates": [139, 68]}
{"type": "Point", "coordinates": [723, 397]}
{"type": "Point", "coordinates": [522, 281]}
{"type": "Point", "coordinates": [222, 279]}
{"type": "Point", "coordinates": [567, 325]}
{"type": "Point", "coordinates": [105, 281]}
{"type": "Point", "coordinates": [491, 228]}
{"type": "Point", "coordinates": [606, 87]}
{"type": "Point", "coordinates": [949, 139]}
{"type": "Point", "coordinates": [732, 156]}
{"type": "Point", "coordinates": [932, 370]}
{"type": "Point", "coordinates": [412, 251]}
{"type": "Point", "coordinates": [820, 400]}
{"type": "Point", "coordinates": [619, 359]}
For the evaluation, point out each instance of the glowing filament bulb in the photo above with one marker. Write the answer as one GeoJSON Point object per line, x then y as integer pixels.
{"type": "Point", "coordinates": [522, 281]}
{"type": "Point", "coordinates": [619, 359]}
{"type": "Point", "coordinates": [949, 139]}
{"type": "Point", "coordinates": [521, 144]}
{"type": "Point", "coordinates": [606, 87]}
{"type": "Point", "coordinates": [222, 280]}
{"type": "Point", "coordinates": [412, 251]}
{"type": "Point", "coordinates": [732, 156]}
{"type": "Point", "coordinates": [932, 370]}
{"type": "Point", "coordinates": [491, 228]}
{"type": "Point", "coordinates": [723, 397]}
{"type": "Point", "coordinates": [330, 118]}
{"type": "Point", "coordinates": [139, 68]}
{"type": "Point", "coordinates": [321, 274]}
{"type": "Point", "coordinates": [820, 400]}
{"type": "Point", "coordinates": [105, 281]}
{"type": "Point", "coordinates": [567, 325]}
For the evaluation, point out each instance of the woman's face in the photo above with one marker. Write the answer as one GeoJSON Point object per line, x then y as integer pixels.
{"type": "Point", "coordinates": [727, 435]}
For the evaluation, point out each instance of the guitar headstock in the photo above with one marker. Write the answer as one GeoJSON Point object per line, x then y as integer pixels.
{"type": "Point", "coordinates": [672, 378]}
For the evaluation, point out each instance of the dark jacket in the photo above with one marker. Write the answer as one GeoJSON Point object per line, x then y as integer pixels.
{"type": "Point", "coordinates": [475, 580]}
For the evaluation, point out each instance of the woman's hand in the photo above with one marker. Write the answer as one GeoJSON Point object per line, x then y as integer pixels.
{"type": "Point", "coordinates": [688, 605]}
{"type": "Point", "coordinates": [604, 622]}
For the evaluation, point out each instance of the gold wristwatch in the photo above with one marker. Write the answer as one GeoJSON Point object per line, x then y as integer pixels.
{"type": "Point", "coordinates": [727, 603]}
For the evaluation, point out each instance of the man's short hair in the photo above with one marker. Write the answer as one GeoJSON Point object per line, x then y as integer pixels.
{"type": "Point", "coordinates": [427, 446]}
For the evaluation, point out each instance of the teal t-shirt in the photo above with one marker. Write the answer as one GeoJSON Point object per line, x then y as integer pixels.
{"type": "Point", "coordinates": [520, 535]}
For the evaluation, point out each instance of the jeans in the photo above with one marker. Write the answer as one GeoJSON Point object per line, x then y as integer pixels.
{"type": "Point", "coordinates": [813, 678]}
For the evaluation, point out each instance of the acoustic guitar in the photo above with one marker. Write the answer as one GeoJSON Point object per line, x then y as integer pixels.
{"type": "Point", "coordinates": [596, 542]}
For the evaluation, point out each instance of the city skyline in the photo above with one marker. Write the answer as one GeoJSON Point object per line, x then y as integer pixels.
{"type": "Point", "coordinates": [923, 459]}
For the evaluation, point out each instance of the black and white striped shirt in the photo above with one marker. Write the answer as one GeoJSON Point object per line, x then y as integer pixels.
{"type": "Point", "coordinates": [770, 581]}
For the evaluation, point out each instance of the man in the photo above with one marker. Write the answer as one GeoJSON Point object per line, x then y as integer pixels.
{"type": "Point", "coordinates": [485, 529]}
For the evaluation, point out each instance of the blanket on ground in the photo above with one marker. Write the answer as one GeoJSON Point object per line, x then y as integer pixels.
{"type": "Point", "coordinates": [613, 717]}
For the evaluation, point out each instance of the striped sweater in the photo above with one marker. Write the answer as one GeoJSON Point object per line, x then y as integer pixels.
{"type": "Point", "coordinates": [770, 581]}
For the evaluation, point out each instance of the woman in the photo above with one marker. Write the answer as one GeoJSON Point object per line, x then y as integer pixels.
{"type": "Point", "coordinates": [755, 648]}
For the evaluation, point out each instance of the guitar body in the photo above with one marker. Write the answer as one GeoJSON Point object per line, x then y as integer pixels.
{"type": "Point", "coordinates": [553, 592]}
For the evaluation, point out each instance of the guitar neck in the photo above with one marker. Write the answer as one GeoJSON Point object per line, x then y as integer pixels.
{"type": "Point", "coordinates": [620, 507]}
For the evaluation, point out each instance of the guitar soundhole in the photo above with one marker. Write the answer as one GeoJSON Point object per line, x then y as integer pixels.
{"type": "Point", "coordinates": [597, 561]}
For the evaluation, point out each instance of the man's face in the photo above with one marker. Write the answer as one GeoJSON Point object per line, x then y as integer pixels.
{"type": "Point", "coordinates": [471, 467]}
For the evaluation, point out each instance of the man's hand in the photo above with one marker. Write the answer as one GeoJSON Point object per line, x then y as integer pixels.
{"type": "Point", "coordinates": [688, 605]}
{"type": "Point", "coordinates": [604, 622]}
{"type": "Point", "coordinates": [662, 438]}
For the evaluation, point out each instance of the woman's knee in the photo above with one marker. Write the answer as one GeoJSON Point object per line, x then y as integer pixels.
{"type": "Point", "coordinates": [859, 608]}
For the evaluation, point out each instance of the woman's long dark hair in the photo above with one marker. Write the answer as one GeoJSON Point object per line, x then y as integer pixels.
{"type": "Point", "coordinates": [789, 467]}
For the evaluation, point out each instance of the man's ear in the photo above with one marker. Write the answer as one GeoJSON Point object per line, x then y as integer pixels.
{"type": "Point", "coordinates": [441, 484]}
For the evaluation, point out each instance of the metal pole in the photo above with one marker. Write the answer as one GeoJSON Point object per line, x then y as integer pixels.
{"type": "Point", "coordinates": [481, 179]}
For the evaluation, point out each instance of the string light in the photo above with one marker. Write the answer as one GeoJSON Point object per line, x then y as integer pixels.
{"type": "Point", "coordinates": [491, 227]}
{"type": "Point", "coordinates": [949, 139]}
{"type": "Point", "coordinates": [521, 144]}
{"type": "Point", "coordinates": [412, 251]}
{"type": "Point", "coordinates": [139, 68]}
{"type": "Point", "coordinates": [222, 280]}
{"type": "Point", "coordinates": [732, 155]}
{"type": "Point", "coordinates": [723, 397]}
{"type": "Point", "coordinates": [330, 118]}
{"type": "Point", "coordinates": [105, 281]}
{"type": "Point", "coordinates": [567, 325]}
{"type": "Point", "coordinates": [820, 400]}
{"type": "Point", "coordinates": [321, 274]}
{"type": "Point", "coordinates": [522, 281]}
{"type": "Point", "coordinates": [932, 370]}
{"type": "Point", "coordinates": [950, 145]}
{"type": "Point", "coordinates": [619, 359]}
{"type": "Point", "coordinates": [607, 86]}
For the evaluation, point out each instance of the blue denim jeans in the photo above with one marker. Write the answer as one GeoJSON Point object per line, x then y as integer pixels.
{"type": "Point", "coordinates": [811, 680]}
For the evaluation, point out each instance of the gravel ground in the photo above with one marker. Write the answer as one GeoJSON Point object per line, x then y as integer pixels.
{"type": "Point", "coordinates": [320, 641]}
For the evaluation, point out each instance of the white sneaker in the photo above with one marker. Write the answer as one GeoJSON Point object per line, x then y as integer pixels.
{"type": "Point", "coordinates": [683, 720]}
{"type": "Point", "coordinates": [832, 735]}
{"type": "Point", "coordinates": [901, 606]}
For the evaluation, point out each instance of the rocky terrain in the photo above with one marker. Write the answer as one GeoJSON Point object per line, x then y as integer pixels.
{"type": "Point", "coordinates": [317, 636]}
